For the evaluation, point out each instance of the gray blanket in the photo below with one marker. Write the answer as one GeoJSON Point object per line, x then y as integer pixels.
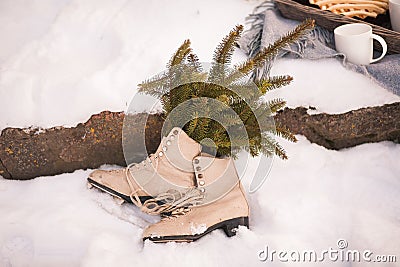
{"type": "Point", "coordinates": [267, 25]}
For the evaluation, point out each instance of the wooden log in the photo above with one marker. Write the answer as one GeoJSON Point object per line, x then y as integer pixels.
{"type": "Point", "coordinates": [337, 131]}
{"type": "Point", "coordinates": [29, 153]}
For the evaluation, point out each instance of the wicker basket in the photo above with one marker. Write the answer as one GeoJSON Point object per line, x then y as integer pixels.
{"type": "Point", "coordinates": [298, 10]}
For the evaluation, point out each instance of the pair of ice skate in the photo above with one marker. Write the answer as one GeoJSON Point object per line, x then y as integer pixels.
{"type": "Point", "coordinates": [192, 191]}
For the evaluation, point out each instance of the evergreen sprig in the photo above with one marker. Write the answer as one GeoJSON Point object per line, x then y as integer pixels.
{"type": "Point", "coordinates": [274, 83]}
{"type": "Point", "coordinates": [180, 54]}
{"type": "Point", "coordinates": [223, 52]}
{"type": "Point", "coordinates": [241, 120]}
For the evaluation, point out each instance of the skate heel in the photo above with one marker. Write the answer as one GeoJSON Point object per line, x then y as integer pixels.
{"type": "Point", "coordinates": [231, 226]}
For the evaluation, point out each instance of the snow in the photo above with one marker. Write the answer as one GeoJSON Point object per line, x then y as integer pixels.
{"type": "Point", "coordinates": [307, 202]}
{"type": "Point", "coordinates": [197, 229]}
{"type": "Point", "coordinates": [61, 61]}
{"type": "Point", "coordinates": [327, 86]}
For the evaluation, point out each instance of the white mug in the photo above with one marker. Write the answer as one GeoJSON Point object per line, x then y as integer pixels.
{"type": "Point", "coordinates": [394, 10]}
{"type": "Point", "coordinates": [355, 41]}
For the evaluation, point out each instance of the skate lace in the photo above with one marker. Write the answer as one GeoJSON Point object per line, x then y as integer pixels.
{"type": "Point", "coordinates": [174, 202]}
{"type": "Point", "coordinates": [129, 178]}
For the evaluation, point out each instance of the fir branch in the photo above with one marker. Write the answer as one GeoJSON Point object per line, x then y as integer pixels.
{"type": "Point", "coordinates": [276, 104]}
{"type": "Point", "coordinates": [185, 81]}
{"type": "Point", "coordinates": [284, 132]}
{"type": "Point", "coordinates": [267, 145]}
{"type": "Point", "coordinates": [223, 55]}
{"type": "Point", "coordinates": [280, 151]}
{"type": "Point", "coordinates": [223, 52]}
{"type": "Point", "coordinates": [155, 86]}
{"type": "Point", "coordinates": [272, 50]}
{"type": "Point", "coordinates": [193, 61]}
{"type": "Point", "coordinates": [180, 54]}
{"type": "Point", "coordinates": [271, 147]}
{"type": "Point", "coordinates": [274, 83]}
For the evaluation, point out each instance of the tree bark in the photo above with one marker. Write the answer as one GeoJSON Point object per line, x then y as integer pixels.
{"type": "Point", "coordinates": [29, 153]}
{"type": "Point", "coordinates": [337, 131]}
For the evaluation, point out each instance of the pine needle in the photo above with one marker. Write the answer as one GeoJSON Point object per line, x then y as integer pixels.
{"type": "Point", "coordinates": [180, 54]}
{"type": "Point", "coordinates": [273, 49]}
{"type": "Point", "coordinates": [274, 83]}
{"type": "Point", "coordinates": [284, 132]}
{"type": "Point", "coordinates": [194, 62]}
{"type": "Point", "coordinates": [223, 52]}
{"type": "Point", "coordinates": [276, 104]}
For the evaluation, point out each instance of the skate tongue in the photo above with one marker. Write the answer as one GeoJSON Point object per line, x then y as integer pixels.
{"type": "Point", "coordinates": [181, 149]}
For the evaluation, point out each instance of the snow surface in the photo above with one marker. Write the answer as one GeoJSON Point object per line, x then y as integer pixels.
{"type": "Point", "coordinates": [198, 228]}
{"type": "Point", "coordinates": [64, 60]}
{"type": "Point", "coordinates": [327, 86]}
{"type": "Point", "coordinates": [307, 202]}
{"type": "Point", "coordinates": [61, 61]}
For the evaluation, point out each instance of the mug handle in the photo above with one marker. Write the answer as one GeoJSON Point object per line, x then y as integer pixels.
{"type": "Point", "coordinates": [383, 44]}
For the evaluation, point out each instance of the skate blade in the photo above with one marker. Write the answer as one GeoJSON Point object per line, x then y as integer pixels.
{"type": "Point", "coordinates": [230, 227]}
{"type": "Point", "coordinates": [116, 197]}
